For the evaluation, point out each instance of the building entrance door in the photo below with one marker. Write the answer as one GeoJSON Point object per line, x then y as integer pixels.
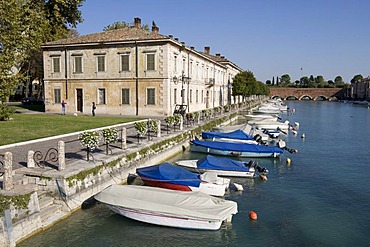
{"type": "Point", "coordinates": [79, 100]}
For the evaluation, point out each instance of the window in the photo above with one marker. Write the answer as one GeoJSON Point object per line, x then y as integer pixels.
{"type": "Point", "coordinates": [150, 96]}
{"type": "Point", "coordinates": [57, 96]}
{"type": "Point", "coordinates": [196, 96]}
{"type": "Point", "coordinates": [101, 95]}
{"type": "Point", "coordinates": [175, 64]}
{"type": "Point", "coordinates": [101, 63]}
{"type": "Point", "coordinates": [56, 64]}
{"type": "Point", "coordinates": [150, 61]}
{"type": "Point", "coordinates": [78, 64]}
{"type": "Point", "coordinates": [125, 62]}
{"type": "Point", "coordinates": [125, 96]}
{"type": "Point", "coordinates": [202, 97]}
{"type": "Point", "coordinates": [175, 96]}
{"type": "Point", "coordinates": [191, 96]}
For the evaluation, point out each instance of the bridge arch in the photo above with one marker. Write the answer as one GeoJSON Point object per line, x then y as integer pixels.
{"type": "Point", "coordinates": [291, 97]}
{"type": "Point", "coordinates": [305, 97]}
{"type": "Point", "coordinates": [320, 98]}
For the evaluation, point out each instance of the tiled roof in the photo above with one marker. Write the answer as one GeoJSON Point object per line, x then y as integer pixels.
{"type": "Point", "coordinates": [123, 34]}
{"type": "Point", "coordinates": [220, 59]}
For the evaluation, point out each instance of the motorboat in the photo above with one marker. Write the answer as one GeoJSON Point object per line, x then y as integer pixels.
{"type": "Point", "coordinates": [250, 117]}
{"type": "Point", "coordinates": [173, 177]}
{"type": "Point", "coordinates": [191, 210]}
{"type": "Point", "coordinates": [270, 125]}
{"type": "Point", "coordinates": [224, 166]}
{"type": "Point", "coordinates": [237, 136]}
{"type": "Point", "coordinates": [245, 127]}
{"type": "Point", "coordinates": [234, 149]}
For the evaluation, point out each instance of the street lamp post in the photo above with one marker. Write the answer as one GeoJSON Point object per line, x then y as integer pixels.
{"type": "Point", "coordinates": [183, 79]}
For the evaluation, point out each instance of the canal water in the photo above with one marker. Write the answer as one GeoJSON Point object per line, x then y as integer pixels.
{"type": "Point", "coordinates": [321, 199]}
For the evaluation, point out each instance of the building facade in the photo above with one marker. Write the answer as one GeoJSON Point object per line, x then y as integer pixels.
{"type": "Point", "coordinates": [134, 72]}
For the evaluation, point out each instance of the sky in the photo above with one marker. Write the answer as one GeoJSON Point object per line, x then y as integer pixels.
{"type": "Point", "coordinates": [268, 37]}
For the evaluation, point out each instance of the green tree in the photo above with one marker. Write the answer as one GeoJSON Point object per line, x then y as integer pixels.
{"type": "Point", "coordinates": [356, 78]}
{"type": "Point", "coordinates": [24, 26]}
{"type": "Point", "coordinates": [245, 84]}
{"type": "Point", "coordinates": [123, 24]}
{"type": "Point", "coordinates": [285, 80]}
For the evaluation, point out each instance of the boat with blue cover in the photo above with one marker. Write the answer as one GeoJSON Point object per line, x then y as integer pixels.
{"type": "Point", "coordinates": [173, 177]}
{"type": "Point", "coordinates": [233, 136]}
{"type": "Point", "coordinates": [234, 149]}
{"type": "Point", "coordinates": [223, 166]}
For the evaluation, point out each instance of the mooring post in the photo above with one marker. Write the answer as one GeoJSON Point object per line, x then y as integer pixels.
{"type": "Point", "coordinates": [159, 128]}
{"type": "Point", "coordinates": [61, 156]}
{"type": "Point", "coordinates": [181, 123]}
{"type": "Point", "coordinates": [30, 160]}
{"type": "Point", "coordinates": [124, 138]}
{"type": "Point", "coordinates": [8, 171]}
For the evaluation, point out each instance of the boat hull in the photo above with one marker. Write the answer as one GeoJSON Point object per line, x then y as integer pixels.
{"type": "Point", "coordinates": [231, 153]}
{"type": "Point", "coordinates": [166, 220]}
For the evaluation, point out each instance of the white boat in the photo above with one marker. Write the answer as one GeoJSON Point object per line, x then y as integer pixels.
{"type": "Point", "coordinates": [223, 166]}
{"type": "Point", "coordinates": [270, 125]}
{"type": "Point", "coordinates": [191, 210]}
{"type": "Point", "coordinates": [249, 117]}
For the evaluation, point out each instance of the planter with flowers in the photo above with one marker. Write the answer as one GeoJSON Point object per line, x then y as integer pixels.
{"type": "Point", "coordinates": [90, 140]}
{"type": "Point", "coordinates": [110, 135]}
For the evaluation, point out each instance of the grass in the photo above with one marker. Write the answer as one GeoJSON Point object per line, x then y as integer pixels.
{"type": "Point", "coordinates": [25, 127]}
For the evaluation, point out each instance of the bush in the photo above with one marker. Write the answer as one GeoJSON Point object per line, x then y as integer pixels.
{"type": "Point", "coordinates": [5, 112]}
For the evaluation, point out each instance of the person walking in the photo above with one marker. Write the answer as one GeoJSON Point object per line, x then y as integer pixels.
{"type": "Point", "coordinates": [63, 107]}
{"type": "Point", "coordinates": [93, 108]}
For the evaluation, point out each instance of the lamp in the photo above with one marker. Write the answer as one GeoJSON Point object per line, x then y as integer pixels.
{"type": "Point", "coordinates": [183, 79]}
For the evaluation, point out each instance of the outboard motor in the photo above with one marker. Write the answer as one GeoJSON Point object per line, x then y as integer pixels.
{"type": "Point", "coordinates": [251, 163]}
{"type": "Point", "coordinates": [262, 170]}
{"type": "Point", "coordinates": [258, 139]}
{"type": "Point", "coordinates": [281, 144]}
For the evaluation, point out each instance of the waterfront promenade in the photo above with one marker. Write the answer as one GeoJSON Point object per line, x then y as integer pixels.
{"type": "Point", "coordinates": [63, 194]}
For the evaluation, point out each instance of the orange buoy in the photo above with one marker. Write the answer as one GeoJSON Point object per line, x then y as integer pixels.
{"type": "Point", "coordinates": [252, 215]}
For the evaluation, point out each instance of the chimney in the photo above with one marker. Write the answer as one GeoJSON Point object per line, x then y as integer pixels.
{"type": "Point", "coordinates": [192, 48]}
{"type": "Point", "coordinates": [183, 43]}
{"type": "Point", "coordinates": [137, 22]}
{"type": "Point", "coordinates": [207, 50]}
{"type": "Point", "coordinates": [171, 36]}
{"type": "Point", "coordinates": [155, 29]}
{"type": "Point", "coordinates": [176, 39]}
{"type": "Point", "coordinates": [218, 55]}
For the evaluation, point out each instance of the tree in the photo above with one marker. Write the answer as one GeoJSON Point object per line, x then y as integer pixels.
{"type": "Point", "coordinates": [123, 24]}
{"type": "Point", "coordinates": [338, 80]}
{"type": "Point", "coordinates": [245, 84]}
{"type": "Point", "coordinates": [24, 26]}
{"type": "Point", "coordinates": [268, 82]}
{"type": "Point", "coordinates": [285, 80]}
{"type": "Point", "coordinates": [356, 78]}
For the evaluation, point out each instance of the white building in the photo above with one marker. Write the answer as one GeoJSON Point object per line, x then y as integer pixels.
{"type": "Point", "coordinates": [131, 71]}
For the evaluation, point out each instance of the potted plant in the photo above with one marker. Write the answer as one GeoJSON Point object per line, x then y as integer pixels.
{"type": "Point", "coordinates": [90, 140]}
{"type": "Point", "coordinates": [110, 135]}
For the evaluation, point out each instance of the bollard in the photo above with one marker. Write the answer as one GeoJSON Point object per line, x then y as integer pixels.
{"type": "Point", "coordinates": [159, 128]}
{"type": "Point", "coordinates": [123, 138]}
{"type": "Point", "coordinates": [30, 160]}
{"type": "Point", "coordinates": [181, 123]}
{"type": "Point", "coordinates": [61, 156]}
{"type": "Point", "coordinates": [8, 171]}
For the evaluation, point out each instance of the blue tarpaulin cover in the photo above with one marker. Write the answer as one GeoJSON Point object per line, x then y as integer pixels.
{"type": "Point", "coordinates": [237, 134]}
{"type": "Point", "coordinates": [168, 173]}
{"type": "Point", "coordinates": [239, 147]}
{"type": "Point", "coordinates": [225, 164]}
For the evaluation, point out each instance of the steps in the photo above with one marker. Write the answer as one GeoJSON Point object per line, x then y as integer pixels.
{"type": "Point", "coordinates": [50, 210]}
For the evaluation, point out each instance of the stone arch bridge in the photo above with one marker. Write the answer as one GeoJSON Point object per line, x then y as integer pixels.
{"type": "Point", "coordinates": [308, 93]}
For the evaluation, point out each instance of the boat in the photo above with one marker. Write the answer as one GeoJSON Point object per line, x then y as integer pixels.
{"type": "Point", "coordinates": [234, 149]}
{"type": "Point", "coordinates": [249, 117]}
{"type": "Point", "coordinates": [223, 166]}
{"type": "Point", "coordinates": [173, 177]}
{"type": "Point", "coordinates": [245, 127]}
{"type": "Point", "coordinates": [158, 206]}
{"type": "Point", "coordinates": [270, 125]}
{"type": "Point", "coordinates": [238, 136]}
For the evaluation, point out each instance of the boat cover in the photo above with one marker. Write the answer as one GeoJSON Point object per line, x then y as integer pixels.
{"type": "Point", "coordinates": [236, 134]}
{"type": "Point", "coordinates": [190, 204]}
{"type": "Point", "coordinates": [239, 147]}
{"type": "Point", "coordinates": [225, 164]}
{"type": "Point", "coordinates": [168, 173]}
